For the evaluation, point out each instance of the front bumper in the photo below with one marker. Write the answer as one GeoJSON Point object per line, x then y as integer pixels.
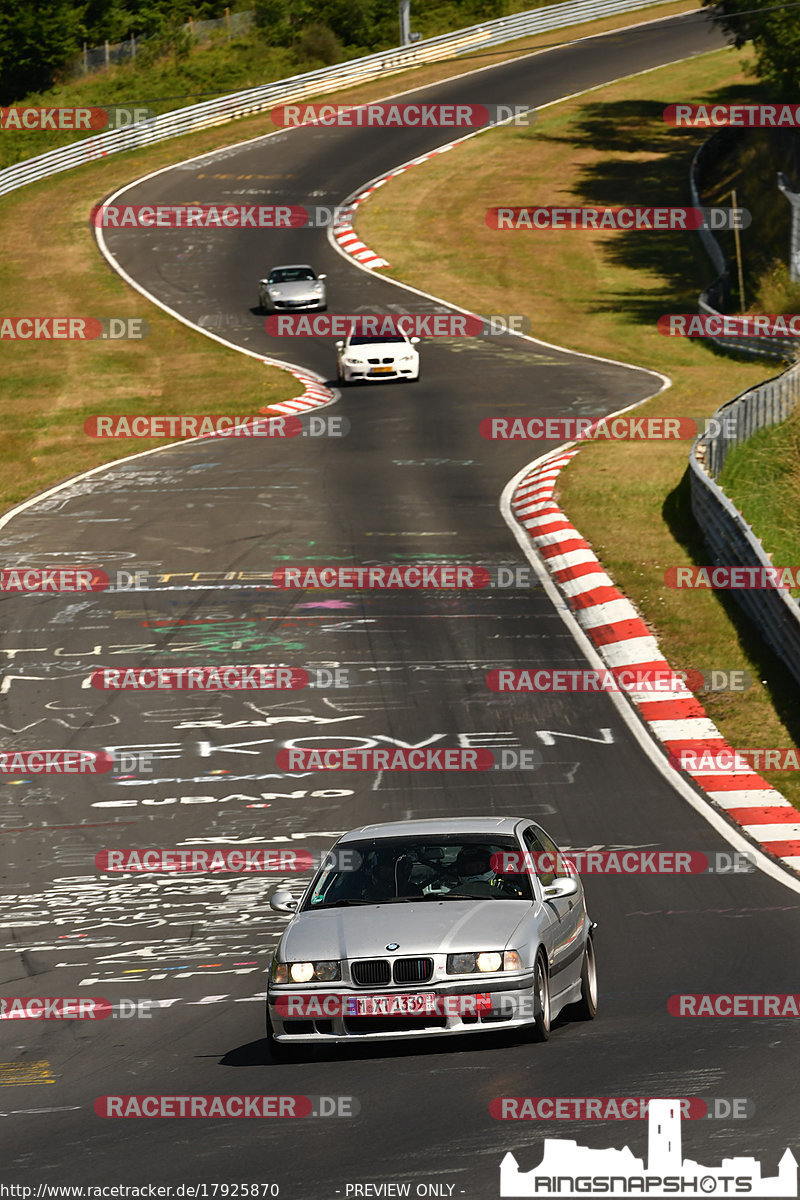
{"type": "Point", "coordinates": [316, 304]}
{"type": "Point", "coordinates": [512, 1008]}
{"type": "Point", "coordinates": [367, 374]}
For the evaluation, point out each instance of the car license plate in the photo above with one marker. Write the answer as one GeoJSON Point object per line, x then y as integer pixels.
{"type": "Point", "coordinates": [382, 371]}
{"type": "Point", "coordinates": [415, 1004]}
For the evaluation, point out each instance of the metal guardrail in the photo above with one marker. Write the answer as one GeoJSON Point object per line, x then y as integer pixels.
{"type": "Point", "coordinates": [313, 83]}
{"type": "Point", "coordinates": [729, 538]}
{"type": "Point", "coordinates": [714, 300]}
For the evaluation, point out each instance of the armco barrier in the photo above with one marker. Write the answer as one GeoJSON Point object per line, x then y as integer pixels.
{"type": "Point", "coordinates": [314, 83]}
{"type": "Point", "coordinates": [715, 299]}
{"type": "Point", "coordinates": [729, 538]}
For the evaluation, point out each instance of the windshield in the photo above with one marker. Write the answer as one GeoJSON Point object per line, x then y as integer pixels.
{"type": "Point", "coordinates": [395, 870]}
{"type": "Point", "coordinates": [291, 275]}
{"type": "Point", "coordinates": [359, 339]}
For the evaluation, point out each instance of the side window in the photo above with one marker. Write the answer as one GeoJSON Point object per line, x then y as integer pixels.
{"type": "Point", "coordinates": [536, 846]}
{"type": "Point", "coordinates": [561, 871]}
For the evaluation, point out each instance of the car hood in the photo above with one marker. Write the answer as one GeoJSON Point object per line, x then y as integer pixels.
{"type": "Point", "coordinates": [384, 349]}
{"type": "Point", "coordinates": [298, 290]}
{"type": "Point", "coordinates": [425, 927]}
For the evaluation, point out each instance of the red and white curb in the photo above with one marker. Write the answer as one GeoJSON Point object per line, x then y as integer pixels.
{"type": "Point", "coordinates": [676, 719]}
{"type": "Point", "coordinates": [343, 233]}
{"type": "Point", "coordinates": [315, 394]}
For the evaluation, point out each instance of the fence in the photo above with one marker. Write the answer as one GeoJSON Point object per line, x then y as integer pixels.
{"type": "Point", "coordinates": [313, 83]}
{"type": "Point", "coordinates": [94, 58]}
{"type": "Point", "coordinates": [715, 299]}
{"type": "Point", "coordinates": [727, 535]}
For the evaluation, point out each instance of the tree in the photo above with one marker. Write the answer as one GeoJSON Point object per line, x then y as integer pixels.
{"type": "Point", "coordinates": [37, 40]}
{"type": "Point", "coordinates": [774, 31]}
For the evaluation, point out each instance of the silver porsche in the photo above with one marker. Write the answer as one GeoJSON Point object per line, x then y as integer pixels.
{"type": "Point", "coordinates": [430, 927]}
{"type": "Point", "coordinates": [295, 288]}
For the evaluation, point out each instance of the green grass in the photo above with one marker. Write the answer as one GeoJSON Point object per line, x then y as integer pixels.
{"type": "Point", "coordinates": [762, 478]}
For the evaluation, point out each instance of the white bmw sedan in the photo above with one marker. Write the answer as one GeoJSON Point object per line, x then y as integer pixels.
{"type": "Point", "coordinates": [369, 358]}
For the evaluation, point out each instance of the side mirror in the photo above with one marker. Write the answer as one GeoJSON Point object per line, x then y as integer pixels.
{"type": "Point", "coordinates": [322, 277]}
{"type": "Point", "coordinates": [560, 889]}
{"type": "Point", "coordinates": [413, 341]}
{"type": "Point", "coordinates": [340, 345]}
{"type": "Point", "coordinates": [283, 901]}
{"type": "Point", "coordinates": [263, 282]}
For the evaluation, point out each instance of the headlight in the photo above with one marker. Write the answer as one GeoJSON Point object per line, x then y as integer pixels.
{"type": "Point", "coordinates": [353, 362]}
{"type": "Point", "coordinates": [483, 961]}
{"type": "Point", "coordinates": [275, 293]}
{"type": "Point", "coordinates": [325, 971]}
{"type": "Point", "coordinates": [406, 358]}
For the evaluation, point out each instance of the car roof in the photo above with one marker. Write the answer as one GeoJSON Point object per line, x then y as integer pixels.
{"type": "Point", "coordinates": [433, 826]}
{"type": "Point", "coordinates": [293, 267]}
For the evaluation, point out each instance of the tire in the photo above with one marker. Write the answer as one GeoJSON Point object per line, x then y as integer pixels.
{"type": "Point", "coordinates": [586, 1008]}
{"type": "Point", "coordinates": [539, 1030]}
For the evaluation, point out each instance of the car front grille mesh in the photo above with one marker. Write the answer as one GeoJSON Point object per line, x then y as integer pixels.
{"type": "Point", "coordinates": [377, 972]}
{"type": "Point", "coordinates": [374, 972]}
{"type": "Point", "coordinates": [413, 970]}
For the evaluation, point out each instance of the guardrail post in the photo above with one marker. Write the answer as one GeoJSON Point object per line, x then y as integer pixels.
{"type": "Point", "coordinates": [786, 186]}
{"type": "Point", "coordinates": [405, 22]}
